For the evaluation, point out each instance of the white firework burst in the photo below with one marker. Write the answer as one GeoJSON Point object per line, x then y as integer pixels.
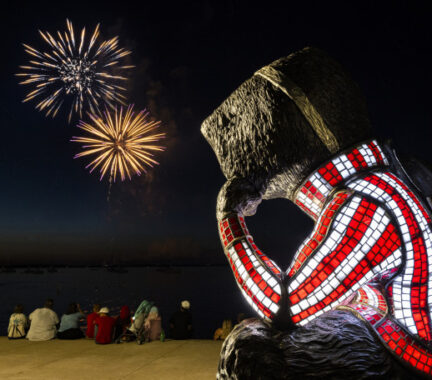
{"type": "Point", "coordinates": [82, 69]}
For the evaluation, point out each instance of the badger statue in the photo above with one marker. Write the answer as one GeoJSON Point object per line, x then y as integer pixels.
{"type": "Point", "coordinates": [356, 299]}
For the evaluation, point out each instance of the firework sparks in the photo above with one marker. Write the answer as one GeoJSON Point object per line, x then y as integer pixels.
{"type": "Point", "coordinates": [81, 68]}
{"type": "Point", "coordinates": [123, 142]}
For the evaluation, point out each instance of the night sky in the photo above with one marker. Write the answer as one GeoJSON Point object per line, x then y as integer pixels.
{"type": "Point", "coordinates": [189, 57]}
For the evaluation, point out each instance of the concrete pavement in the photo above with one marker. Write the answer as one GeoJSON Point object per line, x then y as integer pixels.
{"type": "Point", "coordinates": [83, 359]}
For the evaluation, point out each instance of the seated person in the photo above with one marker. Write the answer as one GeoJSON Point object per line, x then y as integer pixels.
{"type": "Point", "coordinates": [69, 324]}
{"type": "Point", "coordinates": [181, 322]}
{"type": "Point", "coordinates": [17, 324]}
{"type": "Point", "coordinates": [146, 322]}
{"type": "Point", "coordinates": [222, 332]}
{"type": "Point", "coordinates": [152, 325]}
{"type": "Point", "coordinates": [105, 327]}
{"type": "Point", "coordinates": [90, 331]}
{"type": "Point", "coordinates": [43, 323]}
{"type": "Point", "coordinates": [122, 321]}
{"type": "Point", "coordinates": [240, 317]}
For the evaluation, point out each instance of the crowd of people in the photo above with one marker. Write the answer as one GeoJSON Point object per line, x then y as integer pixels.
{"type": "Point", "coordinates": [144, 325]}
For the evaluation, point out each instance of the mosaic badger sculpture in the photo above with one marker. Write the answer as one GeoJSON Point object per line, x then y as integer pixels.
{"type": "Point", "coordinates": [356, 299]}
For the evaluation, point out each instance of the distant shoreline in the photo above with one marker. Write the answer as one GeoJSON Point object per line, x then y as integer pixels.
{"type": "Point", "coordinates": [35, 266]}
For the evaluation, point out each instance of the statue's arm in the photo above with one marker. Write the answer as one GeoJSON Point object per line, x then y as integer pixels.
{"type": "Point", "coordinates": [257, 276]}
{"type": "Point", "coordinates": [354, 240]}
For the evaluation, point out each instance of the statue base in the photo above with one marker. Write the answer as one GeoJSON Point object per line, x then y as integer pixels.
{"type": "Point", "coordinates": [336, 345]}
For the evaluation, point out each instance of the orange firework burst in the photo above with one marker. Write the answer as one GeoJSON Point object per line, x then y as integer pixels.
{"type": "Point", "coordinates": [123, 142]}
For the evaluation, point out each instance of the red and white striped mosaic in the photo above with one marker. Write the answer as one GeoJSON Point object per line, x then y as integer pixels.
{"type": "Point", "coordinates": [369, 227]}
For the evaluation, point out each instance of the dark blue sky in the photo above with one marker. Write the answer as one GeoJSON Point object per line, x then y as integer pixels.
{"type": "Point", "coordinates": [189, 57]}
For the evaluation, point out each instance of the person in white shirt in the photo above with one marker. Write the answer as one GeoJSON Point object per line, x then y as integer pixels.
{"type": "Point", "coordinates": [43, 323]}
{"type": "Point", "coordinates": [17, 323]}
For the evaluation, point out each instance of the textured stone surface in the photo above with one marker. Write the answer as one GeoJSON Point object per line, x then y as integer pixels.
{"type": "Point", "coordinates": [265, 145]}
{"type": "Point", "coordinates": [336, 345]}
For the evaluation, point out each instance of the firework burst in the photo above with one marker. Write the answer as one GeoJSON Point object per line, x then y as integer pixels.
{"type": "Point", "coordinates": [80, 68]}
{"type": "Point", "coordinates": [122, 142]}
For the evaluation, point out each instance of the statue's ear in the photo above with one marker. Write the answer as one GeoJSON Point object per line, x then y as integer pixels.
{"type": "Point", "coordinates": [239, 196]}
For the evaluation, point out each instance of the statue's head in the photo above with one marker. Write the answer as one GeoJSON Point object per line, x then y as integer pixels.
{"type": "Point", "coordinates": [280, 124]}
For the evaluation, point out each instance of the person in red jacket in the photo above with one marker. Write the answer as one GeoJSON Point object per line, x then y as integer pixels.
{"type": "Point", "coordinates": [90, 332]}
{"type": "Point", "coordinates": [123, 321]}
{"type": "Point", "coordinates": [105, 327]}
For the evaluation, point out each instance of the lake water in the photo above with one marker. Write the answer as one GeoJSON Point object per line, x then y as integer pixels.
{"type": "Point", "coordinates": [212, 292]}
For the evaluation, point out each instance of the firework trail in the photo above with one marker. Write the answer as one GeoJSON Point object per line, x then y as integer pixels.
{"type": "Point", "coordinates": [122, 142]}
{"type": "Point", "coordinates": [77, 67]}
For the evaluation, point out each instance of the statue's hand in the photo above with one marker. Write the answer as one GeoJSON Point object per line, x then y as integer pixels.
{"type": "Point", "coordinates": [238, 196]}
